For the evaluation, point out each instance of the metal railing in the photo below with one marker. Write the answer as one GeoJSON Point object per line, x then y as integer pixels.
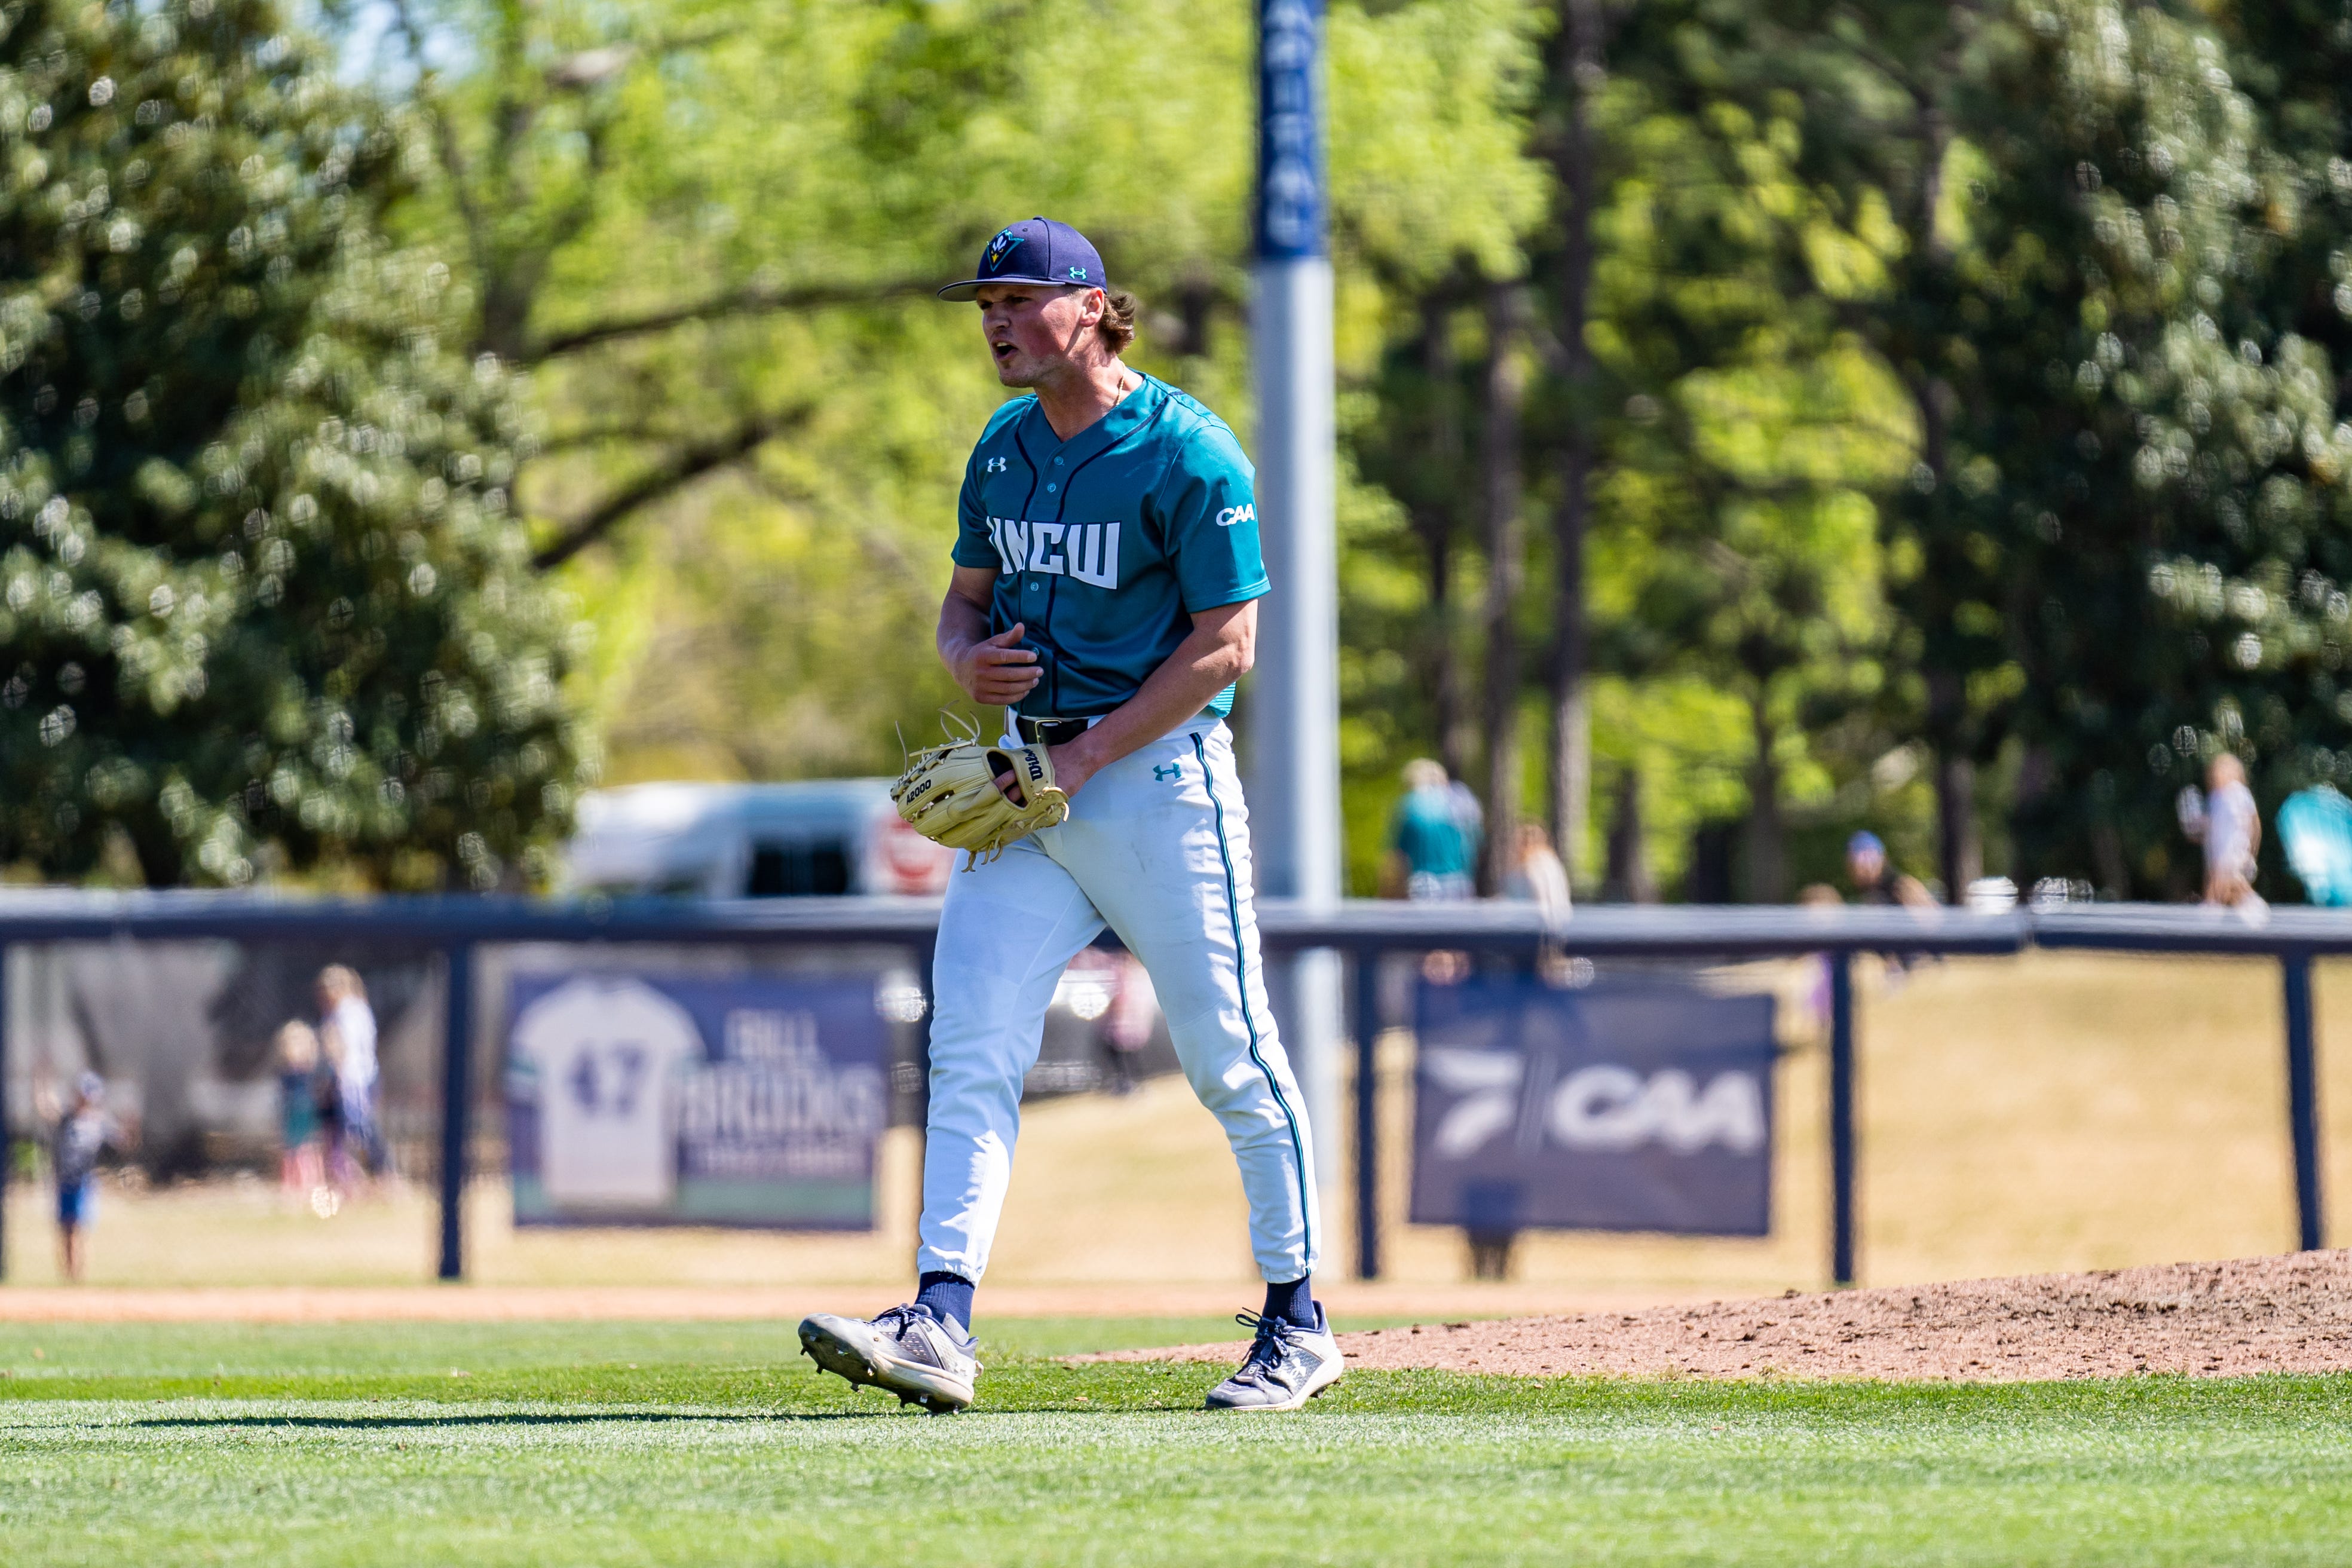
{"type": "Point", "coordinates": [1365, 929]}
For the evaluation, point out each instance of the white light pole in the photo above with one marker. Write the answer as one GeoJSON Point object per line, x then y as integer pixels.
{"type": "Point", "coordinates": [1294, 791]}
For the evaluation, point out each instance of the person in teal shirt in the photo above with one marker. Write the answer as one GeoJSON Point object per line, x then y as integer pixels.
{"type": "Point", "coordinates": [1433, 839]}
{"type": "Point", "coordinates": [1105, 596]}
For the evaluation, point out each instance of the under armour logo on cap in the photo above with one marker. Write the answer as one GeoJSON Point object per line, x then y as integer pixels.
{"type": "Point", "coordinates": [1035, 250]}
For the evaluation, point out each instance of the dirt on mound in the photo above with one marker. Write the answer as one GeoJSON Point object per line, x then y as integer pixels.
{"type": "Point", "coordinates": [2209, 1320]}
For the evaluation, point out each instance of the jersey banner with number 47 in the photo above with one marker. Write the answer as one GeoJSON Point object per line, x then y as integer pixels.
{"type": "Point", "coordinates": [752, 1100]}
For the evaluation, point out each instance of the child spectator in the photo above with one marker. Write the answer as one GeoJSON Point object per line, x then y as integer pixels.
{"type": "Point", "coordinates": [82, 1131]}
{"type": "Point", "coordinates": [300, 1170]}
{"type": "Point", "coordinates": [2233, 834]}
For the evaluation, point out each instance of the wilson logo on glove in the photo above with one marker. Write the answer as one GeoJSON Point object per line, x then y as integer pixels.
{"type": "Point", "coordinates": [949, 793]}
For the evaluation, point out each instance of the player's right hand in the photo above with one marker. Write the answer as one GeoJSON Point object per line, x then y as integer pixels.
{"type": "Point", "coordinates": [997, 673]}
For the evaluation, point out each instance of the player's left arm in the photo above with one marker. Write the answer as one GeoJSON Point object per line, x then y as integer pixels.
{"type": "Point", "coordinates": [1215, 653]}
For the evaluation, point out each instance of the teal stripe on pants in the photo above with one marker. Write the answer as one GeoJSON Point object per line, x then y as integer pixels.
{"type": "Point", "coordinates": [1249, 1020]}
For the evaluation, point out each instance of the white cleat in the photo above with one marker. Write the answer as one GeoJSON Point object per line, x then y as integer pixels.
{"type": "Point", "coordinates": [905, 1352]}
{"type": "Point", "coordinates": [1286, 1367]}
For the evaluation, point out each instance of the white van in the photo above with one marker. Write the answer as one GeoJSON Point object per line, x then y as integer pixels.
{"type": "Point", "coordinates": [751, 841]}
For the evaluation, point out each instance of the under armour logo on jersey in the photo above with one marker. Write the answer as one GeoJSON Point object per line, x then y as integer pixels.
{"type": "Point", "coordinates": [998, 465]}
{"type": "Point", "coordinates": [1172, 771]}
{"type": "Point", "coordinates": [1234, 515]}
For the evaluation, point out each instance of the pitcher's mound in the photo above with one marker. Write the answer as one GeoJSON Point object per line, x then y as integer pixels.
{"type": "Point", "coordinates": [2210, 1319]}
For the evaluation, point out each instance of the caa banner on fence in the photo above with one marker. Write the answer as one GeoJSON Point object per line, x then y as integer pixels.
{"type": "Point", "coordinates": [1620, 1106]}
{"type": "Point", "coordinates": [694, 1100]}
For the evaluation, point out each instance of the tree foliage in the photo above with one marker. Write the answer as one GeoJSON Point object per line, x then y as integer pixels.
{"type": "Point", "coordinates": [2075, 288]}
{"type": "Point", "coordinates": [265, 603]}
{"type": "Point", "coordinates": [1757, 421]}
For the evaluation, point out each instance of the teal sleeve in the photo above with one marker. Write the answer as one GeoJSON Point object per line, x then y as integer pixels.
{"type": "Point", "coordinates": [972, 545]}
{"type": "Point", "coordinates": [1208, 514]}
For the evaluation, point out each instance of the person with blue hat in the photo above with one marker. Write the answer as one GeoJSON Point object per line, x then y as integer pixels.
{"type": "Point", "coordinates": [1874, 878]}
{"type": "Point", "coordinates": [1106, 573]}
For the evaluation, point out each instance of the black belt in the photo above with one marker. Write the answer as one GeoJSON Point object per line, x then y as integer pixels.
{"type": "Point", "coordinates": [1048, 732]}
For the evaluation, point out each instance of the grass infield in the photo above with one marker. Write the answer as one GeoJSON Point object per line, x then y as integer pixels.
{"type": "Point", "coordinates": [647, 1443]}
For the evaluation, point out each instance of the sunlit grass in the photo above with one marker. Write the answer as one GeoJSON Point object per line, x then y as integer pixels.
{"type": "Point", "coordinates": [364, 1444]}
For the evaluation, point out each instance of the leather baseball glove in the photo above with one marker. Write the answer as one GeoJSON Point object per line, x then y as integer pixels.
{"type": "Point", "coordinates": [949, 794]}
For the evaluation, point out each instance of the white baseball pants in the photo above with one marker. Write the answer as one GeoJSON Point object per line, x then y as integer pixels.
{"type": "Point", "coordinates": [1156, 847]}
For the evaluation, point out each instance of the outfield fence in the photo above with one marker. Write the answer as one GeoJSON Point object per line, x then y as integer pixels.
{"type": "Point", "coordinates": [455, 931]}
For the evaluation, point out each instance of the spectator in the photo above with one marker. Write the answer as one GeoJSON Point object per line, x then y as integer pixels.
{"type": "Point", "coordinates": [334, 1132]}
{"type": "Point", "coordinates": [2233, 831]}
{"type": "Point", "coordinates": [347, 1030]}
{"type": "Point", "coordinates": [1537, 874]}
{"type": "Point", "coordinates": [83, 1129]}
{"type": "Point", "coordinates": [1819, 896]}
{"type": "Point", "coordinates": [1877, 882]}
{"type": "Point", "coordinates": [300, 1170]}
{"type": "Point", "coordinates": [1134, 1009]}
{"type": "Point", "coordinates": [1470, 816]}
{"type": "Point", "coordinates": [1432, 840]}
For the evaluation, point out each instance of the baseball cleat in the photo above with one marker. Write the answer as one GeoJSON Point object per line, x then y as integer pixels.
{"type": "Point", "coordinates": [1286, 1367]}
{"type": "Point", "coordinates": [906, 1352]}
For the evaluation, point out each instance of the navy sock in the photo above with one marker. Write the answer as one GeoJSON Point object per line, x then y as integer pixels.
{"type": "Point", "coordinates": [949, 1297]}
{"type": "Point", "coordinates": [1294, 1302]}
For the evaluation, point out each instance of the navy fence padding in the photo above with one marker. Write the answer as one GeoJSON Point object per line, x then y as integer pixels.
{"type": "Point", "coordinates": [1621, 1105]}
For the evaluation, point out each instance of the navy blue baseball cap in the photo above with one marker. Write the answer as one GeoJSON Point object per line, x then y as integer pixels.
{"type": "Point", "coordinates": [1037, 250]}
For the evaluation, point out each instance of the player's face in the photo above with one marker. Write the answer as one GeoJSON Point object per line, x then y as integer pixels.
{"type": "Point", "coordinates": [1034, 331]}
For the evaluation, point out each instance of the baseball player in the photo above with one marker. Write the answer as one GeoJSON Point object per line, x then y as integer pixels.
{"type": "Point", "coordinates": [1107, 570]}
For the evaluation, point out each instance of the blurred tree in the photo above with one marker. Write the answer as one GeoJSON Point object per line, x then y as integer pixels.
{"type": "Point", "coordinates": [1566, 131]}
{"type": "Point", "coordinates": [2075, 217]}
{"type": "Point", "coordinates": [1881, 81]}
{"type": "Point", "coordinates": [264, 604]}
{"type": "Point", "coordinates": [1701, 434]}
{"type": "Point", "coordinates": [1737, 524]}
{"type": "Point", "coordinates": [1434, 191]}
{"type": "Point", "coordinates": [2272, 620]}
{"type": "Point", "coordinates": [717, 226]}
{"type": "Point", "coordinates": [1411, 443]}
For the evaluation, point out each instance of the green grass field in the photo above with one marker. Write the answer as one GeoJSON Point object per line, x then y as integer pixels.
{"type": "Point", "coordinates": [634, 1443]}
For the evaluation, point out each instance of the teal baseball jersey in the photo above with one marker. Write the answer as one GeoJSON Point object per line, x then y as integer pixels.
{"type": "Point", "coordinates": [1106, 545]}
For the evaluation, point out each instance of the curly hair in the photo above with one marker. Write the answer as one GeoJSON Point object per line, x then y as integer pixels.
{"type": "Point", "coordinates": [1117, 326]}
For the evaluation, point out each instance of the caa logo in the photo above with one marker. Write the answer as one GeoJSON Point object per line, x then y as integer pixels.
{"type": "Point", "coordinates": [1604, 1107]}
{"type": "Point", "coordinates": [1234, 515]}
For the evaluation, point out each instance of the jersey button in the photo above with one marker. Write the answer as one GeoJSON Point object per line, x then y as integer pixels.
{"type": "Point", "coordinates": [1057, 462]}
{"type": "Point", "coordinates": [1051, 488]}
